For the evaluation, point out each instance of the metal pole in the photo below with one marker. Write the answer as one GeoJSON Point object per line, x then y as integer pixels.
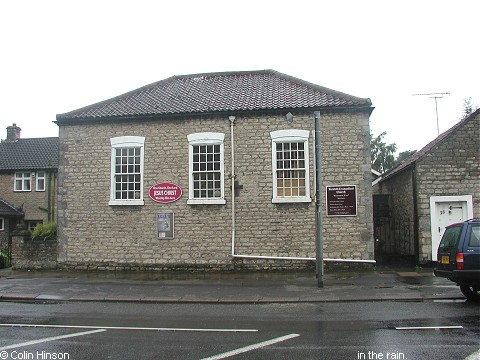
{"type": "Point", "coordinates": [436, 106]}
{"type": "Point", "coordinates": [318, 201]}
{"type": "Point", "coordinates": [436, 112]}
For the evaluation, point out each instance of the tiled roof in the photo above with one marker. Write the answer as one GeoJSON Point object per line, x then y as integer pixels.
{"type": "Point", "coordinates": [421, 153]}
{"type": "Point", "coordinates": [7, 209]}
{"type": "Point", "coordinates": [29, 154]}
{"type": "Point", "coordinates": [218, 92]}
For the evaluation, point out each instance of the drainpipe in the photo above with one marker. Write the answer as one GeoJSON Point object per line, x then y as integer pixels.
{"type": "Point", "coordinates": [416, 241]}
{"type": "Point", "coordinates": [297, 258]}
{"type": "Point", "coordinates": [232, 178]}
{"type": "Point", "coordinates": [54, 197]}
{"type": "Point", "coordinates": [49, 194]}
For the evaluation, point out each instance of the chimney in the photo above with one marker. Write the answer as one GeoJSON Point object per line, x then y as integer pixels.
{"type": "Point", "coordinates": [13, 133]}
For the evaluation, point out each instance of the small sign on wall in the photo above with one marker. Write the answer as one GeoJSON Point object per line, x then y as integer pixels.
{"type": "Point", "coordinates": [165, 225]}
{"type": "Point", "coordinates": [165, 193]}
{"type": "Point", "coordinates": [342, 200]}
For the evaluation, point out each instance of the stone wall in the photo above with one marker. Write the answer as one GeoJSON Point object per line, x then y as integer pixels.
{"type": "Point", "coordinates": [32, 254]}
{"type": "Point", "coordinates": [94, 235]}
{"type": "Point", "coordinates": [401, 190]}
{"type": "Point", "coordinates": [450, 168]}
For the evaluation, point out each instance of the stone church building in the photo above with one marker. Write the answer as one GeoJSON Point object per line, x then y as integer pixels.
{"type": "Point", "coordinates": [214, 171]}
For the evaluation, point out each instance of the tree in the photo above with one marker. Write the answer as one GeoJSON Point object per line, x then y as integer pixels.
{"type": "Point", "coordinates": [403, 155]}
{"type": "Point", "coordinates": [382, 155]}
{"type": "Point", "coordinates": [468, 107]}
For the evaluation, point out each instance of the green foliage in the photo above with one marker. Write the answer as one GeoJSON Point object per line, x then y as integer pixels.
{"type": "Point", "coordinates": [382, 155]}
{"type": "Point", "coordinates": [5, 259]}
{"type": "Point", "coordinates": [45, 231]}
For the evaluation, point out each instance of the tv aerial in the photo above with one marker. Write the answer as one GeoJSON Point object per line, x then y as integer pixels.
{"type": "Point", "coordinates": [436, 95]}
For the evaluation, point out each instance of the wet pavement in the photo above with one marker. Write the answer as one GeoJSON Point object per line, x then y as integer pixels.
{"type": "Point", "coordinates": [381, 284]}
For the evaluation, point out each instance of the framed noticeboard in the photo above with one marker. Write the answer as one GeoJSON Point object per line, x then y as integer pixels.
{"type": "Point", "coordinates": [165, 225]}
{"type": "Point", "coordinates": [342, 200]}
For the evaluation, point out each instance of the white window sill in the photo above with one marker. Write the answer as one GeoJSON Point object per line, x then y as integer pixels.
{"type": "Point", "coordinates": [126, 202]}
{"type": "Point", "coordinates": [291, 199]}
{"type": "Point", "coordinates": [206, 201]}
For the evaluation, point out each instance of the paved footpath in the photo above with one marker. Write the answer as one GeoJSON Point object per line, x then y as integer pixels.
{"type": "Point", "coordinates": [380, 284]}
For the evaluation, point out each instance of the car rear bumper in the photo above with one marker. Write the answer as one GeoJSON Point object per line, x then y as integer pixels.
{"type": "Point", "coordinates": [461, 277]}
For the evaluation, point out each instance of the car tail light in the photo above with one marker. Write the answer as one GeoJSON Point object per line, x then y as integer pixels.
{"type": "Point", "coordinates": [459, 260]}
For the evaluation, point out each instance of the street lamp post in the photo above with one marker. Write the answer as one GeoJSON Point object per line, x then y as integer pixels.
{"type": "Point", "coordinates": [318, 201]}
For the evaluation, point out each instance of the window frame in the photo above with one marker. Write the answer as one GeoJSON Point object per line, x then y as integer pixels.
{"type": "Point", "coordinates": [126, 142]}
{"type": "Point", "coordinates": [32, 224]}
{"type": "Point", "coordinates": [199, 139]}
{"type": "Point", "coordinates": [22, 178]}
{"type": "Point", "coordinates": [38, 177]}
{"type": "Point", "coordinates": [2, 223]}
{"type": "Point", "coordinates": [290, 136]}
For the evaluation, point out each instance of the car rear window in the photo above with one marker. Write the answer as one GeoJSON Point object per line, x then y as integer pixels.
{"type": "Point", "coordinates": [451, 236]}
{"type": "Point", "coordinates": [474, 236]}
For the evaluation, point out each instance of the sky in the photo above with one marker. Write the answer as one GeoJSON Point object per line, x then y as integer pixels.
{"type": "Point", "coordinates": [58, 56]}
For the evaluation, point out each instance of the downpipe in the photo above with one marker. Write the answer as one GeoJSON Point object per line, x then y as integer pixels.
{"type": "Point", "coordinates": [303, 258]}
{"type": "Point", "coordinates": [232, 178]}
{"type": "Point", "coordinates": [294, 258]}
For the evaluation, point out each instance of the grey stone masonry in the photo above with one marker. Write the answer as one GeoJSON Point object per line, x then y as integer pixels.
{"type": "Point", "coordinates": [451, 168]}
{"type": "Point", "coordinates": [95, 235]}
{"type": "Point", "coordinates": [32, 254]}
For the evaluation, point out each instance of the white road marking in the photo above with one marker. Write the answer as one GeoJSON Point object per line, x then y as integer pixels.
{"type": "Point", "coordinates": [251, 347]}
{"type": "Point", "coordinates": [474, 356]}
{"type": "Point", "coordinates": [428, 327]}
{"type": "Point", "coordinates": [127, 328]}
{"type": "Point", "coordinates": [53, 338]}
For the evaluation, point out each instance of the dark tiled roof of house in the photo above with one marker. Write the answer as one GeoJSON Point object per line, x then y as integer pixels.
{"type": "Point", "coordinates": [421, 153]}
{"type": "Point", "coordinates": [218, 92]}
{"type": "Point", "coordinates": [7, 209]}
{"type": "Point", "coordinates": [29, 154]}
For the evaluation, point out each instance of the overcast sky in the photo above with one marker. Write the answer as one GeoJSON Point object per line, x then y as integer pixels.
{"type": "Point", "coordinates": [57, 56]}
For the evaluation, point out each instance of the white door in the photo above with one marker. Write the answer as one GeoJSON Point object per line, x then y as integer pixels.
{"type": "Point", "coordinates": [447, 210]}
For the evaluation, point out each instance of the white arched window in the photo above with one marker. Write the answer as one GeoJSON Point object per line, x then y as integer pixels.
{"type": "Point", "coordinates": [290, 165]}
{"type": "Point", "coordinates": [127, 170]}
{"type": "Point", "coordinates": [206, 168]}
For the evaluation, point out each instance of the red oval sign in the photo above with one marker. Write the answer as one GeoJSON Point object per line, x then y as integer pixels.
{"type": "Point", "coordinates": [165, 193]}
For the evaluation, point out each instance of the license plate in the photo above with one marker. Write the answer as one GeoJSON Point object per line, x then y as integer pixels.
{"type": "Point", "coordinates": [445, 259]}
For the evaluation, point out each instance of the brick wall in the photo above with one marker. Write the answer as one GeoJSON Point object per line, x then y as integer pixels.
{"type": "Point", "coordinates": [93, 234]}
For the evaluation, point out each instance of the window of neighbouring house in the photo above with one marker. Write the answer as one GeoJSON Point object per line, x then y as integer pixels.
{"type": "Point", "coordinates": [290, 165]}
{"type": "Point", "coordinates": [127, 170]}
{"type": "Point", "coordinates": [31, 224]}
{"type": "Point", "coordinates": [40, 181]}
{"type": "Point", "coordinates": [2, 224]}
{"type": "Point", "coordinates": [23, 181]}
{"type": "Point", "coordinates": [206, 168]}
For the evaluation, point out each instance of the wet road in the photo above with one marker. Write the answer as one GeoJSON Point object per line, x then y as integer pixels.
{"type": "Point", "coordinates": [343, 330]}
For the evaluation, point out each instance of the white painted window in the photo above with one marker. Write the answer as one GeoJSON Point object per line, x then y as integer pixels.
{"type": "Point", "coordinates": [23, 181]}
{"type": "Point", "coordinates": [2, 224]}
{"type": "Point", "coordinates": [40, 181]}
{"type": "Point", "coordinates": [31, 224]}
{"type": "Point", "coordinates": [290, 165]}
{"type": "Point", "coordinates": [127, 170]}
{"type": "Point", "coordinates": [206, 168]}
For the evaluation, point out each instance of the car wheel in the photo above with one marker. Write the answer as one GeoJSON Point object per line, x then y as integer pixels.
{"type": "Point", "coordinates": [471, 292]}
